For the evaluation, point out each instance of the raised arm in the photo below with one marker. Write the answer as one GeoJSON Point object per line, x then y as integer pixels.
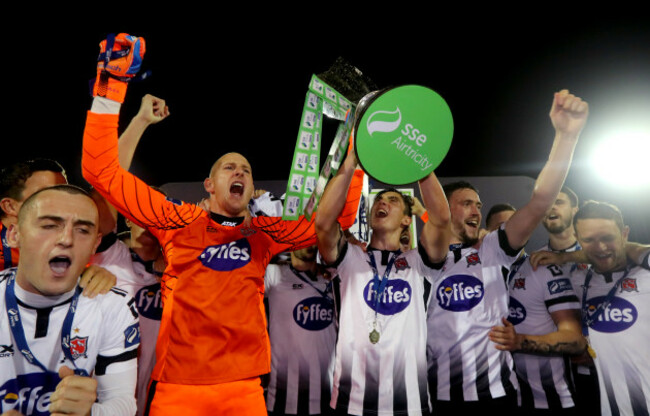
{"type": "Point", "coordinates": [331, 205]}
{"type": "Point", "coordinates": [100, 159]}
{"type": "Point", "coordinates": [436, 232]}
{"type": "Point", "coordinates": [152, 110]}
{"type": "Point", "coordinates": [568, 115]}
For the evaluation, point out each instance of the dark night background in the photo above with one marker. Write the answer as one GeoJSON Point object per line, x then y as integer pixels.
{"type": "Point", "coordinates": [237, 84]}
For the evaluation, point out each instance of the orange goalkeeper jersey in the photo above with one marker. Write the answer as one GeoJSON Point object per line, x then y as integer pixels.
{"type": "Point", "coordinates": [213, 328]}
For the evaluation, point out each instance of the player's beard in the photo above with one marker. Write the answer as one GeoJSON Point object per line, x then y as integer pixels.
{"type": "Point", "coordinates": [557, 229]}
{"type": "Point", "coordinates": [467, 240]}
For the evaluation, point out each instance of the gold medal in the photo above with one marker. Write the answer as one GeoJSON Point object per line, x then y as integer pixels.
{"type": "Point", "coordinates": [591, 351]}
{"type": "Point", "coordinates": [374, 336]}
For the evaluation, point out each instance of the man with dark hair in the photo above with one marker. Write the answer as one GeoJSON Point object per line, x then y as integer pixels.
{"type": "Point", "coordinates": [544, 326]}
{"type": "Point", "coordinates": [52, 337]}
{"type": "Point", "coordinates": [497, 215]}
{"type": "Point", "coordinates": [615, 307]}
{"type": "Point", "coordinates": [381, 347]}
{"type": "Point", "coordinates": [466, 371]}
{"type": "Point", "coordinates": [18, 182]}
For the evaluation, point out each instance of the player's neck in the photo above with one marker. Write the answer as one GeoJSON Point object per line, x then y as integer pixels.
{"type": "Point", "coordinates": [385, 240]}
{"type": "Point", "coordinates": [302, 265]}
{"type": "Point", "coordinates": [28, 295]}
{"type": "Point", "coordinates": [562, 241]}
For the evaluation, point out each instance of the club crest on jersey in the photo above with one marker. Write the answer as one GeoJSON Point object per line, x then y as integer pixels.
{"type": "Point", "coordinates": [29, 394]}
{"type": "Point", "coordinates": [78, 347]}
{"type": "Point", "coordinates": [516, 312]}
{"type": "Point", "coordinates": [313, 314]}
{"type": "Point", "coordinates": [519, 283]}
{"type": "Point", "coordinates": [629, 285]}
{"type": "Point", "coordinates": [148, 301]}
{"type": "Point", "coordinates": [247, 231]}
{"type": "Point", "coordinates": [394, 299]}
{"type": "Point", "coordinates": [473, 259]}
{"type": "Point", "coordinates": [618, 316]}
{"type": "Point", "coordinates": [227, 257]}
{"type": "Point", "coordinates": [401, 264]}
{"type": "Point", "coordinates": [211, 229]}
{"type": "Point", "coordinates": [459, 293]}
{"type": "Point", "coordinates": [559, 286]}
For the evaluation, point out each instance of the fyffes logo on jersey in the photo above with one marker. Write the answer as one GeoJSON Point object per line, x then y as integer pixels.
{"type": "Point", "coordinates": [395, 297]}
{"type": "Point", "coordinates": [29, 393]}
{"type": "Point", "coordinates": [227, 257]}
{"type": "Point", "coordinates": [618, 316]}
{"type": "Point", "coordinates": [313, 314]}
{"type": "Point", "coordinates": [459, 293]}
{"type": "Point", "coordinates": [408, 127]}
{"type": "Point", "coordinates": [516, 312]}
{"type": "Point", "coordinates": [148, 302]}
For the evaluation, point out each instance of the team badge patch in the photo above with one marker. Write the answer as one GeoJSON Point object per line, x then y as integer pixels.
{"type": "Point", "coordinates": [473, 259]}
{"type": "Point", "coordinates": [174, 201]}
{"type": "Point", "coordinates": [629, 285]}
{"type": "Point", "coordinates": [559, 286]}
{"type": "Point", "coordinates": [78, 347]}
{"type": "Point", "coordinates": [401, 264]}
{"type": "Point", "coordinates": [132, 336]}
{"type": "Point", "coordinates": [520, 283]}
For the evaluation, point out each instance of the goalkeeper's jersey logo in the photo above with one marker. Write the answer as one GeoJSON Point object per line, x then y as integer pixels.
{"type": "Point", "coordinates": [227, 257]}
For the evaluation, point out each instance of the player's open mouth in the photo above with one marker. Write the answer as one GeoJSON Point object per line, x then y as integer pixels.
{"type": "Point", "coordinates": [552, 217]}
{"type": "Point", "coordinates": [472, 223]}
{"type": "Point", "coordinates": [381, 213]}
{"type": "Point", "coordinates": [60, 264]}
{"type": "Point", "coordinates": [237, 188]}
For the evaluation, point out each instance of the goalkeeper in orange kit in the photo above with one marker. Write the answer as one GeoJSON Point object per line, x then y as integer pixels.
{"type": "Point", "coordinates": [213, 343]}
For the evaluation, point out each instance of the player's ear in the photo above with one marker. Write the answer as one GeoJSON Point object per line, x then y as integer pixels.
{"type": "Point", "coordinates": [13, 236]}
{"type": "Point", "coordinates": [626, 232]}
{"type": "Point", "coordinates": [208, 185]}
{"type": "Point", "coordinates": [406, 220]}
{"type": "Point", "coordinates": [9, 206]}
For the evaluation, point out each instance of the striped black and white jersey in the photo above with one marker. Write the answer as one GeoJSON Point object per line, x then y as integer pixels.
{"type": "Point", "coordinates": [384, 374]}
{"type": "Point", "coordinates": [534, 295]}
{"type": "Point", "coordinates": [138, 279]}
{"type": "Point", "coordinates": [103, 341]}
{"type": "Point", "coordinates": [619, 335]}
{"type": "Point", "coordinates": [302, 329]}
{"type": "Point", "coordinates": [468, 299]}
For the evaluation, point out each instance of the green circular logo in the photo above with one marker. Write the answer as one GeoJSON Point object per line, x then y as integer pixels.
{"type": "Point", "coordinates": [403, 134]}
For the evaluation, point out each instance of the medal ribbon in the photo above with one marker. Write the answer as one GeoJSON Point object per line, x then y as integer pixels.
{"type": "Point", "coordinates": [380, 285]}
{"type": "Point", "coordinates": [323, 293]}
{"type": "Point", "coordinates": [18, 332]}
{"type": "Point", "coordinates": [587, 320]}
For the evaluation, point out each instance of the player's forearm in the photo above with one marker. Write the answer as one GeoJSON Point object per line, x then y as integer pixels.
{"type": "Point", "coordinates": [554, 343]}
{"type": "Point", "coordinates": [329, 208]}
{"type": "Point", "coordinates": [129, 140]}
{"type": "Point", "coordinates": [334, 196]}
{"type": "Point", "coordinates": [637, 252]}
{"type": "Point", "coordinates": [436, 232]}
{"type": "Point", "coordinates": [116, 394]}
{"type": "Point", "coordinates": [521, 225]}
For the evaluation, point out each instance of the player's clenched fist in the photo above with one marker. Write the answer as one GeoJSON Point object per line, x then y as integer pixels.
{"type": "Point", "coordinates": [120, 59]}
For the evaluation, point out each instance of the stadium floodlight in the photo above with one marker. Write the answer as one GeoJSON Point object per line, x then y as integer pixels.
{"type": "Point", "coordinates": [623, 158]}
